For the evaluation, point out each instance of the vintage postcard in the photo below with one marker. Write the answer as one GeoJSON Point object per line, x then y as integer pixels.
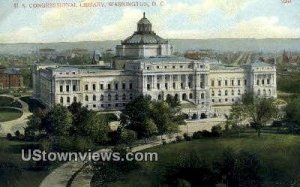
{"type": "Point", "coordinates": [191, 93]}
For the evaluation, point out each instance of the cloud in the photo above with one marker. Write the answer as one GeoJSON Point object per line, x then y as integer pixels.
{"type": "Point", "coordinates": [119, 30]}
{"type": "Point", "coordinates": [258, 27]}
{"type": "Point", "coordinates": [67, 17]}
{"type": "Point", "coordinates": [198, 10]}
{"type": "Point", "coordinates": [20, 35]}
{"type": "Point", "coordinates": [261, 27]}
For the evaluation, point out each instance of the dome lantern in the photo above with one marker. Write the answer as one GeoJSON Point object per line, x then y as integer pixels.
{"type": "Point", "coordinates": [144, 25]}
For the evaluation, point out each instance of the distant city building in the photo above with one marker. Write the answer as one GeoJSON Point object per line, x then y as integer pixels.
{"type": "Point", "coordinates": [10, 78]}
{"type": "Point", "coordinates": [145, 66]}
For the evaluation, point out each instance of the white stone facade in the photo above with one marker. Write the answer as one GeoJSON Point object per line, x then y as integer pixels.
{"type": "Point", "coordinates": [202, 86]}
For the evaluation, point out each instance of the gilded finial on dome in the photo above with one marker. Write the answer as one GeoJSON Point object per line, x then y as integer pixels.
{"type": "Point", "coordinates": [144, 14]}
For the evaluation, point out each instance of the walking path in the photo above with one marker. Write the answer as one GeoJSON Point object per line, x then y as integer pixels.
{"type": "Point", "coordinates": [77, 174]}
{"type": "Point", "coordinates": [18, 124]}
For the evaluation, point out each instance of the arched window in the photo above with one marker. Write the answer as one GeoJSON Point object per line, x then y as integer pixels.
{"type": "Point", "coordinates": [159, 97]}
{"type": "Point", "coordinates": [61, 100]}
{"type": "Point", "coordinates": [191, 96]}
{"type": "Point", "coordinates": [94, 98]}
{"type": "Point", "coordinates": [86, 98]}
{"type": "Point", "coordinates": [102, 98]}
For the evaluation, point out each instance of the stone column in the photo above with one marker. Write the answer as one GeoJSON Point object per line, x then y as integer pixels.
{"type": "Point", "coordinates": [179, 82]}
{"type": "Point", "coordinates": [71, 87]}
{"type": "Point", "coordinates": [155, 82]}
{"type": "Point", "coordinates": [186, 81]}
{"type": "Point", "coordinates": [163, 81]}
{"type": "Point", "coordinates": [171, 82]}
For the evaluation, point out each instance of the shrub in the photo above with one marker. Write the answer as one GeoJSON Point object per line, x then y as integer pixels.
{"type": "Point", "coordinates": [197, 135]}
{"type": "Point", "coordinates": [9, 136]}
{"type": "Point", "coordinates": [187, 137]}
{"type": "Point", "coordinates": [17, 134]}
{"type": "Point", "coordinates": [206, 134]}
{"type": "Point", "coordinates": [179, 138]}
{"type": "Point", "coordinates": [277, 124]}
{"type": "Point", "coordinates": [82, 144]}
{"type": "Point", "coordinates": [216, 131]}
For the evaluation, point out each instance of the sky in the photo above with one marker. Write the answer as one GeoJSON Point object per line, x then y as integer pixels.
{"type": "Point", "coordinates": [171, 19]}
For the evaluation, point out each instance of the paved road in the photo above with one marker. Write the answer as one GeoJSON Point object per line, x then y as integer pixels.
{"type": "Point", "coordinates": [83, 175]}
{"type": "Point", "coordinates": [18, 124]}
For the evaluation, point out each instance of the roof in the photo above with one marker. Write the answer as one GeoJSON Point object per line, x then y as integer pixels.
{"type": "Point", "coordinates": [215, 66]}
{"type": "Point", "coordinates": [144, 34]}
{"type": "Point", "coordinates": [165, 59]}
{"type": "Point", "coordinates": [144, 38]}
{"type": "Point", "coordinates": [259, 63]}
{"type": "Point", "coordinates": [10, 71]}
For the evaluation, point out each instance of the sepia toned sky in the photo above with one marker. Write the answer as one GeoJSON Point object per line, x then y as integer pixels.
{"type": "Point", "coordinates": [186, 19]}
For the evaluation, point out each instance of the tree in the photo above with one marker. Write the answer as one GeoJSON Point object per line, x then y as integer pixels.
{"type": "Point", "coordinates": [236, 117]}
{"type": "Point", "coordinates": [260, 111]}
{"type": "Point", "coordinates": [79, 115]}
{"type": "Point", "coordinates": [148, 117]}
{"type": "Point", "coordinates": [96, 127]}
{"type": "Point", "coordinates": [128, 136]}
{"type": "Point", "coordinates": [257, 110]}
{"type": "Point", "coordinates": [58, 121]}
{"type": "Point", "coordinates": [292, 116]}
{"type": "Point", "coordinates": [136, 114]}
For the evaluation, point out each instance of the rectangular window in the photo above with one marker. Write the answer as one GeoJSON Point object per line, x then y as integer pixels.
{"type": "Point", "coordinates": [158, 86]}
{"type": "Point", "coordinates": [219, 83]}
{"type": "Point", "coordinates": [239, 82]}
{"type": "Point", "coordinates": [232, 82]}
{"type": "Point", "coordinates": [101, 86]}
{"type": "Point", "coordinates": [181, 85]}
{"type": "Point", "coordinates": [86, 87]}
{"type": "Point", "coordinates": [74, 88]}
{"type": "Point", "coordinates": [245, 82]}
{"type": "Point", "coordinates": [257, 82]}
{"type": "Point", "coordinates": [108, 87]}
{"type": "Point", "coordinates": [130, 86]}
{"type": "Point", "coordinates": [67, 88]}
{"type": "Point", "coordinates": [226, 83]}
{"type": "Point", "coordinates": [94, 87]}
{"type": "Point", "coordinates": [174, 85]}
{"type": "Point", "coordinates": [166, 86]}
{"type": "Point", "coordinates": [123, 86]}
{"type": "Point", "coordinates": [268, 81]}
{"type": "Point", "coordinates": [148, 86]}
{"type": "Point", "coordinates": [116, 86]}
{"type": "Point", "coordinates": [61, 88]}
{"type": "Point", "coordinates": [212, 83]}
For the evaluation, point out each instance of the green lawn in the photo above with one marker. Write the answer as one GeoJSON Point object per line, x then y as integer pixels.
{"type": "Point", "coordinates": [9, 102]}
{"type": "Point", "coordinates": [10, 151]}
{"type": "Point", "coordinates": [7, 114]}
{"type": "Point", "coordinates": [279, 156]}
